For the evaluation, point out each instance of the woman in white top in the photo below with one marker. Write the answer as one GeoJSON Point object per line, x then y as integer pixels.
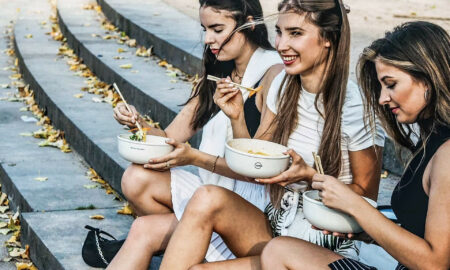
{"type": "Point", "coordinates": [316, 110]}
{"type": "Point", "coordinates": [236, 45]}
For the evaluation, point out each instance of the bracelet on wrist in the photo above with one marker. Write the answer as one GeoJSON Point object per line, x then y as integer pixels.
{"type": "Point", "coordinates": [214, 164]}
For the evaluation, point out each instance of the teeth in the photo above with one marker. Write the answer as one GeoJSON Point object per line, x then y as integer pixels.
{"type": "Point", "coordinates": [289, 58]}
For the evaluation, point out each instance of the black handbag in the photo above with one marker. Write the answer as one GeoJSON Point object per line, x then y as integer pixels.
{"type": "Point", "coordinates": [98, 251]}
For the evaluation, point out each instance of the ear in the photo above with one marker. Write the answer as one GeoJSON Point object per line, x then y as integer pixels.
{"type": "Point", "coordinates": [327, 44]}
{"type": "Point", "coordinates": [250, 19]}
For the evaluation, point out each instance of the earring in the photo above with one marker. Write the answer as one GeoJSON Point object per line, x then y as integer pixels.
{"type": "Point", "coordinates": [426, 95]}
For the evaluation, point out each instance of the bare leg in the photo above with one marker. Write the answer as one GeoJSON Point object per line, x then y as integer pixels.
{"type": "Point", "coordinates": [253, 263]}
{"type": "Point", "coordinates": [243, 227]}
{"type": "Point", "coordinates": [147, 191]}
{"type": "Point", "coordinates": [147, 236]}
{"type": "Point", "coordinates": [291, 253]}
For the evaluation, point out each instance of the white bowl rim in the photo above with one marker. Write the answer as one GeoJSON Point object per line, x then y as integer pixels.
{"type": "Point", "coordinates": [305, 196]}
{"type": "Point", "coordinates": [281, 156]}
{"type": "Point", "coordinates": [141, 143]}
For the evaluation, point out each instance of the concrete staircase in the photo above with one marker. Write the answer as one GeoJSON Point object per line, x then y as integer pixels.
{"type": "Point", "coordinates": [52, 216]}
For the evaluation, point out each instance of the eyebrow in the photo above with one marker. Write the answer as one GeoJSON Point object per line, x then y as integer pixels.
{"type": "Point", "coordinates": [213, 25]}
{"type": "Point", "coordinates": [292, 28]}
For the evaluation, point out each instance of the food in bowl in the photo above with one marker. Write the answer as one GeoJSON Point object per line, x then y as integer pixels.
{"type": "Point", "coordinates": [326, 218]}
{"type": "Point", "coordinates": [141, 152]}
{"type": "Point", "coordinates": [256, 158]}
{"type": "Point", "coordinates": [258, 153]}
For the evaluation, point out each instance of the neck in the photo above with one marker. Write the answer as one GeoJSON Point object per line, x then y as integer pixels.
{"type": "Point", "coordinates": [312, 79]}
{"type": "Point", "coordinates": [242, 60]}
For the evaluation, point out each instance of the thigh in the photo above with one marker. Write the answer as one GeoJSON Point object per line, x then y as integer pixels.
{"type": "Point", "coordinates": [294, 253]}
{"type": "Point", "coordinates": [245, 263]}
{"type": "Point", "coordinates": [242, 226]}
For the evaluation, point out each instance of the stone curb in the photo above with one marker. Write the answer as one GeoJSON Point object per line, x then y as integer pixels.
{"type": "Point", "coordinates": [183, 51]}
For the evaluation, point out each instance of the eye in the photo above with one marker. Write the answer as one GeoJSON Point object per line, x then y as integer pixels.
{"type": "Point", "coordinates": [296, 33]}
{"type": "Point", "coordinates": [278, 31]}
{"type": "Point", "coordinates": [218, 31]}
{"type": "Point", "coordinates": [391, 86]}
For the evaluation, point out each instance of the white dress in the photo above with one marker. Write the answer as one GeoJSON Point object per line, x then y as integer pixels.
{"type": "Point", "coordinates": [355, 136]}
{"type": "Point", "coordinates": [215, 134]}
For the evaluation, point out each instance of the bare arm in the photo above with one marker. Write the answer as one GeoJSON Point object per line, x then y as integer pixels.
{"type": "Point", "coordinates": [365, 166]}
{"type": "Point", "coordinates": [180, 128]}
{"type": "Point", "coordinates": [414, 252]}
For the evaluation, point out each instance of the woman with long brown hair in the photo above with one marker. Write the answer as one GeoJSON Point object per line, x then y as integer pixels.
{"type": "Point", "coordinates": [237, 47]}
{"type": "Point", "coordinates": [406, 79]}
{"type": "Point", "coordinates": [312, 107]}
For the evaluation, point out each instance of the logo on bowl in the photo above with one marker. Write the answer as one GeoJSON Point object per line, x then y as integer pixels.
{"type": "Point", "coordinates": [258, 165]}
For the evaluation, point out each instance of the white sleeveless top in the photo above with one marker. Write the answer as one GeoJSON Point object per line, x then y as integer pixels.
{"type": "Point", "coordinates": [306, 137]}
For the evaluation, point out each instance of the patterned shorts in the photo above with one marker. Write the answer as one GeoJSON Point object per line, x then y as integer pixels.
{"type": "Point", "coordinates": [349, 264]}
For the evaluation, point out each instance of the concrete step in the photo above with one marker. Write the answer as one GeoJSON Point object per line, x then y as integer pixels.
{"type": "Point", "coordinates": [173, 35]}
{"type": "Point", "coordinates": [51, 225]}
{"type": "Point", "coordinates": [146, 85]}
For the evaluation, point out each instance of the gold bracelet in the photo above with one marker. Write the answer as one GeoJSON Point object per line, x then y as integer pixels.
{"type": "Point", "coordinates": [214, 164]}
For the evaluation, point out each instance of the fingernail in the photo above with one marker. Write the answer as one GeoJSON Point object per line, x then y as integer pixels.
{"type": "Point", "coordinates": [235, 88]}
{"type": "Point", "coordinates": [230, 85]}
{"type": "Point", "coordinates": [257, 180]}
{"type": "Point", "coordinates": [145, 166]}
{"type": "Point", "coordinates": [150, 161]}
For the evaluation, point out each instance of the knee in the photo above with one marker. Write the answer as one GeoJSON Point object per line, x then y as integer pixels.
{"type": "Point", "coordinates": [272, 253]}
{"type": "Point", "coordinates": [200, 267]}
{"type": "Point", "coordinates": [207, 200]}
{"type": "Point", "coordinates": [134, 181]}
{"type": "Point", "coordinates": [139, 229]}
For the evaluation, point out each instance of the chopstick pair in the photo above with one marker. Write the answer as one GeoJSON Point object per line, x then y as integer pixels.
{"type": "Point", "coordinates": [128, 108]}
{"type": "Point", "coordinates": [251, 90]}
{"type": "Point", "coordinates": [318, 163]}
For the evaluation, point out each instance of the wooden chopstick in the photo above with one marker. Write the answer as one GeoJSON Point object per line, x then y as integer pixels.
{"type": "Point", "coordinates": [215, 79]}
{"type": "Point", "coordinates": [128, 107]}
{"type": "Point", "coordinates": [318, 163]}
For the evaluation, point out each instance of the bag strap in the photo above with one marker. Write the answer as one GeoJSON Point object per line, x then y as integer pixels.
{"type": "Point", "coordinates": [99, 231]}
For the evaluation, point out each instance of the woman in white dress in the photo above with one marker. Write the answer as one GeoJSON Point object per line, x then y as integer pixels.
{"type": "Point", "coordinates": [316, 110]}
{"type": "Point", "coordinates": [236, 48]}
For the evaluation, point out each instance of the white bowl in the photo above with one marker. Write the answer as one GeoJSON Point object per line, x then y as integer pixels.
{"type": "Point", "coordinates": [140, 152]}
{"type": "Point", "coordinates": [242, 162]}
{"type": "Point", "coordinates": [329, 219]}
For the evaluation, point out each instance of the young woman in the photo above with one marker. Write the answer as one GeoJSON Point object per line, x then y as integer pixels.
{"type": "Point", "coordinates": [237, 46]}
{"type": "Point", "coordinates": [316, 110]}
{"type": "Point", "coordinates": [408, 73]}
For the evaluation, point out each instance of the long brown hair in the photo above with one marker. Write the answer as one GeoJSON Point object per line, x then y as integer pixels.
{"type": "Point", "coordinates": [258, 35]}
{"type": "Point", "coordinates": [330, 16]}
{"type": "Point", "coordinates": [422, 50]}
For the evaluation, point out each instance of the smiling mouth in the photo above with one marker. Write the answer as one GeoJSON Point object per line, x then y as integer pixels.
{"type": "Point", "coordinates": [289, 59]}
{"type": "Point", "coordinates": [215, 51]}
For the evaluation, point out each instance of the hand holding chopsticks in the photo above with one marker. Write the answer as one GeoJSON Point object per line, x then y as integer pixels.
{"type": "Point", "coordinates": [141, 131]}
{"type": "Point", "coordinates": [251, 90]}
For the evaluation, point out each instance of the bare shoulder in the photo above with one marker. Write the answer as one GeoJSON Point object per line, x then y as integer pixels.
{"type": "Point", "coordinates": [439, 163]}
{"type": "Point", "coordinates": [271, 73]}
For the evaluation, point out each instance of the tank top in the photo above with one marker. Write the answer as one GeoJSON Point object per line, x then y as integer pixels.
{"type": "Point", "coordinates": [251, 113]}
{"type": "Point", "coordinates": [409, 200]}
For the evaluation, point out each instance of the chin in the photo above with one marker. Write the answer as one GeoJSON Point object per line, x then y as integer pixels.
{"type": "Point", "coordinates": [293, 70]}
{"type": "Point", "coordinates": [405, 120]}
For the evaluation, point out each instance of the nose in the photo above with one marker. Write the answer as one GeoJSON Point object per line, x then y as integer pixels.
{"type": "Point", "coordinates": [385, 98]}
{"type": "Point", "coordinates": [208, 38]}
{"type": "Point", "coordinates": [281, 43]}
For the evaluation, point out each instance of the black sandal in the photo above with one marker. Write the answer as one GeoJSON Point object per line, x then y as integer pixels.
{"type": "Point", "coordinates": [98, 251]}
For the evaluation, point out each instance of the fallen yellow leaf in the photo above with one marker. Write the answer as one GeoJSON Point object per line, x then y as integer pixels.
{"type": "Point", "coordinates": [126, 66]}
{"type": "Point", "coordinates": [97, 217]}
{"type": "Point", "coordinates": [41, 179]}
{"type": "Point", "coordinates": [126, 210]}
{"type": "Point", "coordinates": [29, 36]}
{"type": "Point", "coordinates": [78, 95]}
